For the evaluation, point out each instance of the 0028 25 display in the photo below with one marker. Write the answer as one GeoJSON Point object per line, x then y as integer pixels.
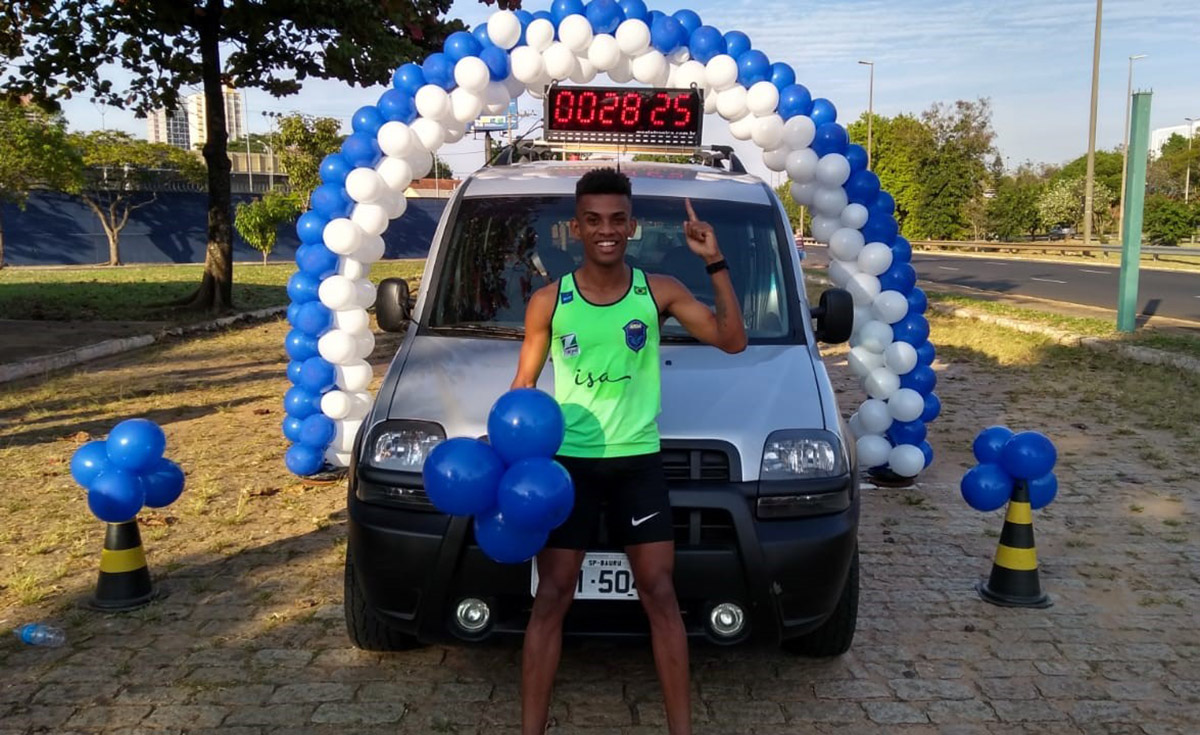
{"type": "Point", "coordinates": [655, 116]}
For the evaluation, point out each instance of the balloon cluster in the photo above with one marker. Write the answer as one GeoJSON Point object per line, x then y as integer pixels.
{"type": "Point", "coordinates": [518, 52]}
{"type": "Point", "coordinates": [1006, 458]}
{"type": "Point", "coordinates": [513, 487]}
{"type": "Point", "coordinates": [126, 471]}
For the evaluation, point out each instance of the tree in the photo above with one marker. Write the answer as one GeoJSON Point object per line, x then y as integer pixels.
{"type": "Point", "coordinates": [258, 222]}
{"type": "Point", "coordinates": [1167, 174]}
{"type": "Point", "coordinates": [800, 217]}
{"type": "Point", "coordinates": [1168, 221]}
{"type": "Point", "coordinates": [68, 47]}
{"type": "Point", "coordinates": [303, 141]}
{"type": "Point", "coordinates": [1107, 170]}
{"type": "Point", "coordinates": [441, 169]}
{"type": "Point", "coordinates": [1062, 204]}
{"type": "Point", "coordinates": [33, 154]}
{"type": "Point", "coordinates": [899, 145]}
{"type": "Point", "coordinates": [955, 171]}
{"type": "Point", "coordinates": [1013, 211]}
{"type": "Point", "coordinates": [122, 174]}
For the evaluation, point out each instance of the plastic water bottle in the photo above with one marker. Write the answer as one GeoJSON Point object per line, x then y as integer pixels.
{"type": "Point", "coordinates": [37, 634]}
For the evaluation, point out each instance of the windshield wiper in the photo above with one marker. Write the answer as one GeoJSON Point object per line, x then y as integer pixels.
{"type": "Point", "coordinates": [477, 329]}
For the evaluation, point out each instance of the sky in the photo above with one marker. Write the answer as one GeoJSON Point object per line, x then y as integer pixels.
{"type": "Point", "coordinates": [1032, 58]}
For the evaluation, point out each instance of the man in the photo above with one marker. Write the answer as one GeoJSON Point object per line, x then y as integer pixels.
{"type": "Point", "coordinates": [602, 325]}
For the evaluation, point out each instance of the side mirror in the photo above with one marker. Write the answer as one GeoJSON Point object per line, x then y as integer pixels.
{"type": "Point", "coordinates": [391, 305]}
{"type": "Point", "coordinates": [834, 316]}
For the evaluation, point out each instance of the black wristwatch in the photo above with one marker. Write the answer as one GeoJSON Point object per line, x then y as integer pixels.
{"type": "Point", "coordinates": [717, 267]}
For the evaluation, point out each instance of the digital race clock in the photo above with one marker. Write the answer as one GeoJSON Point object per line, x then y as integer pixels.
{"type": "Point", "coordinates": [658, 117]}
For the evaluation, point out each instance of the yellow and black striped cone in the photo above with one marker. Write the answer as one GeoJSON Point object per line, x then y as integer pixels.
{"type": "Point", "coordinates": [124, 582]}
{"type": "Point", "coordinates": [1014, 579]}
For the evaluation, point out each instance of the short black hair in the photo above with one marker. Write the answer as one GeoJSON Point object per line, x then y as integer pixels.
{"type": "Point", "coordinates": [603, 181]}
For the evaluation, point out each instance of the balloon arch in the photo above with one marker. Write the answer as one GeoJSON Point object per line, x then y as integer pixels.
{"type": "Point", "coordinates": [520, 52]}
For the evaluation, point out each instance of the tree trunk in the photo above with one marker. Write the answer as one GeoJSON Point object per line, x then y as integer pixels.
{"type": "Point", "coordinates": [114, 251]}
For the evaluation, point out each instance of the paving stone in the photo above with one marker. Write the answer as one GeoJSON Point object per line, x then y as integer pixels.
{"type": "Point", "coordinates": [271, 715]}
{"type": "Point", "coordinates": [152, 694]}
{"type": "Point", "coordinates": [99, 717]}
{"type": "Point", "coordinates": [357, 713]}
{"type": "Point", "coordinates": [186, 716]}
{"type": "Point", "coordinates": [315, 693]}
{"type": "Point", "coordinates": [1008, 688]}
{"type": "Point", "coordinates": [1027, 710]}
{"type": "Point", "coordinates": [917, 689]}
{"type": "Point", "coordinates": [960, 711]}
{"type": "Point", "coordinates": [78, 693]}
{"type": "Point", "coordinates": [394, 691]}
{"type": "Point", "coordinates": [1089, 711]}
{"type": "Point", "coordinates": [831, 712]}
{"type": "Point", "coordinates": [44, 717]}
{"type": "Point", "coordinates": [240, 694]}
{"type": "Point", "coordinates": [854, 689]}
{"type": "Point", "coordinates": [737, 713]}
{"type": "Point", "coordinates": [894, 713]}
{"type": "Point", "coordinates": [282, 657]}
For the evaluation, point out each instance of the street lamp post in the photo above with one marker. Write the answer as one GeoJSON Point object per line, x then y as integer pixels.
{"type": "Point", "coordinates": [1091, 154]}
{"type": "Point", "coordinates": [870, 108]}
{"type": "Point", "coordinates": [1125, 144]}
{"type": "Point", "coordinates": [1187, 177]}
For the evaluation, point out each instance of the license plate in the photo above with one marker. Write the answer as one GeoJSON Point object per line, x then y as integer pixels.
{"type": "Point", "coordinates": [604, 575]}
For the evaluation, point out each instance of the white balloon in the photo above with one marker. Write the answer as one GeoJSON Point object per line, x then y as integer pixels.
{"type": "Point", "coordinates": [526, 63]}
{"type": "Point", "coordinates": [336, 404]}
{"type": "Point", "coordinates": [875, 258]}
{"type": "Point", "coordinates": [875, 336]}
{"type": "Point", "coordinates": [371, 249]}
{"type": "Point", "coordinates": [875, 416]}
{"type": "Point", "coordinates": [846, 245]}
{"type": "Point", "coordinates": [802, 164]}
{"type": "Point", "coordinates": [539, 35]}
{"type": "Point", "coordinates": [337, 292]}
{"type": "Point", "coordinates": [364, 294]}
{"type": "Point", "coordinates": [537, 89]}
{"type": "Point", "coordinates": [338, 347]}
{"type": "Point", "coordinates": [365, 342]}
{"type": "Point", "coordinates": [679, 56]}
{"type": "Point", "coordinates": [396, 205]}
{"type": "Point", "coordinates": [840, 273]}
{"type": "Point", "coordinates": [633, 37]}
{"type": "Point", "coordinates": [830, 201]}
{"type": "Point", "coordinates": [881, 383]}
{"type": "Point", "coordinates": [372, 218]}
{"type": "Point", "coordinates": [433, 102]}
{"type": "Point", "coordinates": [364, 185]}
{"type": "Point", "coordinates": [690, 73]}
{"type": "Point", "coordinates": [862, 361]}
{"type": "Point", "coordinates": [890, 307]}
{"type": "Point", "coordinates": [515, 86]}
{"type": "Point", "coordinates": [585, 70]}
{"type": "Point", "coordinates": [776, 158]}
{"type": "Point", "coordinates": [855, 424]}
{"type": "Point", "coordinates": [823, 227]}
{"type": "Point", "coordinates": [864, 287]}
{"type": "Point", "coordinates": [833, 170]}
{"type": "Point", "coordinates": [344, 436]}
{"type": "Point", "coordinates": [604, 53]}
{"type": "Point", "coordinates": [803, 192]}
{"type": "Point", "coordinates": [649, 66]}
{"type": "Point", "coordinates": [429, 132]}
{"type": "Point", "coordinates": [342, 236]}
{"type": "Point", "coordinates": [906, 404]}
{"type": "Point", "coordinates": [395, 139]}
{"type": "Point", "coordinates": [576, 32]}
{"type": "Point", "coordinates": [465, 105]}
{"type": "Point", "coordinates": [722, 72]}
{"type": "Point", "coordinates": [396, 172]}
{"type": "Point", "coordinates": [352, 320]}
{"type": "Point", "coordinates": [472, 74]}
{"type": "Point", "coordinates": [854, 216]}
{"type": "Point", "coordinates": [731, 103]}
{"type": "Point", "coordinates": [360, 405]}
{"type": "Point", "coordinates": [710, 101]}
{"type": "Point", "coordinates": [420, 161]}
{"type": "Point", "coordinates": [762, 98]}
{"type": "Point", "coordinates": [560, 61]}
{"type": "Point", "coordinates": [873, 450]}
{"type": "Point", "coordinates": [899, 357]}
{"type": "Point", "coordinates": [504, 28]}
{"type": "Point", "coordinates": [906, 460]}
{"type": "Point", "coordinates": [354, 376]}
{"type": "Point", "coordinates": [862, 314]}
{"type": "Point", "coordinates": [353, 268]}
{"type": "Point", "coordinates": [768, 130]}
{"type": "Point", "coordinates": [495, 98]}
{"type": "Point", "coordinates": [799, 131]}
{"type": "Point", "coordinates": [336, 458]}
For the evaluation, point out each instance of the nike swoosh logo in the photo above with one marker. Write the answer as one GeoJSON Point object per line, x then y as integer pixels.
{"type": "Point", "coordinates": [640, 521]}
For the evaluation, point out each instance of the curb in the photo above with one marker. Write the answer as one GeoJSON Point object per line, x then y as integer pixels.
{"type": "Point", "coordinates": [59, 360]}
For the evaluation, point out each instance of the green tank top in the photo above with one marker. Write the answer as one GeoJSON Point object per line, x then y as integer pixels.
{"type": "Point", "coordinates": [606, 371]}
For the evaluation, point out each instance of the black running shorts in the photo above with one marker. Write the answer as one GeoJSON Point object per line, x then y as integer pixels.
{"type": "Point", "coordinates": [632, 492]}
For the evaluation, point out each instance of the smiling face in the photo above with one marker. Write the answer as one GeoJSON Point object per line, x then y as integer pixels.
{"type": "Point", "coordinates": [604, 223]}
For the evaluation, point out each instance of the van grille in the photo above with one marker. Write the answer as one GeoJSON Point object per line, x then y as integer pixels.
{"type": "Point", "coordinates": [703, 465]}
{"type": "Point", "coordinates": [702, 526]}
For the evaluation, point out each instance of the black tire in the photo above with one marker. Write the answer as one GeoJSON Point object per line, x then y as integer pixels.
{"type": "Point", "coordinates": [366, 630]}
{"type": "Point", "coordinates": [836, 634]}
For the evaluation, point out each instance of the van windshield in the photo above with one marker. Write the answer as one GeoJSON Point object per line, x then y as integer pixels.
{"type": "Point", "coordinates": [502, 249]}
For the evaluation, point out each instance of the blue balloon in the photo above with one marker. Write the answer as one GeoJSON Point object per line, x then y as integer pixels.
{"type": "Point", "coordinates": [604, 15]}
{"type": "Point", "coordinates": [990, 442]}
{"type": "Point", "coordinates": [736, 43]}
{"type": "Point", "coordinates": [293, 310]}
{"type": "Point", "coordinates": [317, 259]}
{"type": "Point", "coordinates": [361, 149]}
{"type": "Point", "coordinates": [921, 378]}
{"type": "Point", "coordinates": [536, 494]}
{"type": "Point", "coordinates": [880, 227]}
{"type": "Point", "coordinates": [560, 9]}
{"type": "Point", "coordinates": [654, 15]}
{"type": "Point", "coordinates": [538, 15]}
{"type": "Point", "coordinates": [116, 495]}
{"type": "Point", "coordinates": [291, 428]}
{"type": "Point", "coordinates": [901, 251]}
{"type": "Point", "coordinates": [300, 403]}
{"type": "Point", "coordinates": [480, 33]}
{"type": "Point", "coordinates": [293, 370]}
{"type": "Point", "coordinates": [439, 69]}
{"type": "Point", "coordinates": [505, 543]}
{"type": "Point", "coordinates": [461, 476]}
{"type": "Point", "coordinates": [830, 138]}
{"type": "Point", "coordinates": [794, 99]}
{"type": "Point", "coordinates": [302, 459]}
{"type": "Point", "coordinates": [1026, 455]}
{"type": "Point", "coordinates": [753, 67]}
{"type": "Point", "coordinates": [409, 78]}
{"type": "Point", "coordinates": [705, 43]}
{"type": "Point", "coordinates": [933, 407]}
{"type": "Point", "coordinates": [460, 44]}
{"type": "Point", "coordinates": [317, 431]}
{"type": "Point", "coordinates": [927, 450]}
{"type": "Point", "coordinates": [986, 487]}
{"type": "Point", "coordinates": [311, 227]}
{"type": "Point", "coordinates": [334, 168]}
{"type": "Point", "coordinates": [823, 112]}
{"type": "Point", "coordinates": [913, 329]}
{"type": "Point", "coordinates": [317, 375]}
{"type": "Point", "coordinates": [526, 18]}
{"type": "Point", "coordinates": [302, 287]}
{"type": "Point", "coordinates": [313, 318]}
{"type": "Point", "coordinates": [898, 277]}
{"type": "Point", "coordinates": [299, 346]}
{"type": "Point", "coordinates": [367, 119]}
{"type": "Point", "coordinates": [88, 461]}
{"type": "Point", "coordinates": [634, 10]}
{"type": "Point", "coordinates": [398, 106]}
{"type": "Point", "coordinates": [782, 75]}
{"type": "Point", "coordinates": [163, 483]}
{"type": "Point", "coordinates": [331, 201]}
{"type": "Point", "coordinates": [1042, 490]}
{"type": "Point", "coordinates": [496, 60]}
{"type": "Point", "coordinates": [884, 204]}
{"type": "Point", "coordinates": [525, 423]}
{"type": "Point", "coordinates": [926, 353]}
{"type": "Point", "coordinates": [907, 432]}
{"type": "Point", "coordinates": [917, 301]}
{"type": "Point", "coordinates": [135, 444]}
{"type": "Point", "coordinates": [862, 186]}
{"type": "Point", "coordinates": [857, 156]}
{"type": "Point", "coordinates": [689, 19]}
{"type": "Point", "coordinates": [667, 34]}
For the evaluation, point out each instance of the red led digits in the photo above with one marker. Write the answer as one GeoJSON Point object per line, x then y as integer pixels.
{"type": "Point", "coordinates": [631, 109]}
{"type": "Point", "coordinates": [683, 106]}
{"type": "Point", "coordinates": [608, 114]}
{"type": "Point", "coordinates": [564, 107]}
{"type": "Point", "coordinates": [608, 109]}
{"type": "Point", "coordinates": [661, 104]}
{"type": "Point", "coordinates": [587, 108]}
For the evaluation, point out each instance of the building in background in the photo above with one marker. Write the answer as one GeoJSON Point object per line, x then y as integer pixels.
{"type": "Point", "coordinates": [165, 126]}
{"type": "Point", "coordinates": [197, 120]}
{"type": "Point", "coordinates": [1159, 137]}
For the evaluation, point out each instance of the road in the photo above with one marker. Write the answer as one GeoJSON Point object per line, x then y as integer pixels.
{"type": "Point", "coordinates": [1174, 294]}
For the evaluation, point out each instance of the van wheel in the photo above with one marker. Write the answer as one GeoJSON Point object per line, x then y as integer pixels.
{"type": "Point", "coordinates": [836, 634]}
{"type": "Point", "coordinates": [367, 631]}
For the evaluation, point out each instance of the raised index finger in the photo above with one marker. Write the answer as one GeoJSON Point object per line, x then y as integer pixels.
{"type": "Point", "coordinates": [691, 213]}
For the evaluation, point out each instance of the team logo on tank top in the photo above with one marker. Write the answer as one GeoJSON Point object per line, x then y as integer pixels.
{"type": "Point", "coordinates": [635, 334]}
{"type": "Point", "coordinates": [570, 345]}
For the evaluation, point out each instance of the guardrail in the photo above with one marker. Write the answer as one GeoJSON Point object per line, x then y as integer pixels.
{"type": "Point", "coordinates": [1052, 246]}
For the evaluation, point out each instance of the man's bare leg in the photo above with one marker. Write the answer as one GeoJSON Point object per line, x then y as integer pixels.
{"type": "Point", "coordinates": [558, 572]}
{"type": "Point", "coordinates": [653, 569]}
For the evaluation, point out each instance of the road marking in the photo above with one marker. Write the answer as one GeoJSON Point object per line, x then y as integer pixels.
{"type": "Point", "coordinates": [1087, 270]}
{"type": "Point", "coordinates": [947, 268]}
{"type": "Point", "coordinates": [1045, 280]}
{"type": "Point", "coordinates": [996, 262]}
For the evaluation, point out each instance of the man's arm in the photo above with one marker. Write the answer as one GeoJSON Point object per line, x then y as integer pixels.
{"type": "Point", "coordinates": [537, 336]}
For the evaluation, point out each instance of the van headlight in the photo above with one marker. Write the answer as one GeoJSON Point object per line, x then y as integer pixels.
{"type": "Point", "coordinates": [403, 446]}
{"type": "Point", "coordinates": [802, 453]}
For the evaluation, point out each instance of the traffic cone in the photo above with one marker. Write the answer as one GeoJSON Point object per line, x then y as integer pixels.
{"type": "Point", "coordinates": [1014, 579]}
{"type": "Point", "coordinates": [124, 582]}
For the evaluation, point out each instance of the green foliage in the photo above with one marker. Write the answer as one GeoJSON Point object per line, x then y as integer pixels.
{"type": "Point", "coordinates": [1013, 211]}
{"type": "Point", "coordinates": [1063, 200]}
{"type": "Point", "coordinates": [1108, 165]}
{"type": "Point", "coordinates": [663, 158]}
{"type": "Point", "coordinates": [800, 217]}
{"type": "Point", "coordinates": [1169, 221]}
{"type": "Point", "coordinates": [303, 141]}
{"type": "Point", "coordinates": [1167, 174]}
{"type": "Point", "coordinates": [441, 169]}
{"type": "Point", "coordinates": [258, 222]}
{"type": "Point", "coordinates": [899, 146]}
{"type": "Point", "coordinates": [954, 172]}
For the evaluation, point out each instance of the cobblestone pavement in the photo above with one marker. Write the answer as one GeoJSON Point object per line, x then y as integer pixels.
{"type": "Point", "coordinates": [253, 642]}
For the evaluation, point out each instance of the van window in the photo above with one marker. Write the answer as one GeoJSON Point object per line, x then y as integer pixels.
{"type": "Point", "coordinates": [502, 249]}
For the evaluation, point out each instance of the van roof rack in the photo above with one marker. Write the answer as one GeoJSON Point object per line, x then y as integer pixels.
{"type": "Point", "coordinates": [523, 151]}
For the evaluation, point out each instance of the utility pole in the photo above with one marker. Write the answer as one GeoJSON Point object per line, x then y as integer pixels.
{"type": "Point", "coordinates": [1091, 154]}
{"type": "Point", "coordinates": [870, 109]}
